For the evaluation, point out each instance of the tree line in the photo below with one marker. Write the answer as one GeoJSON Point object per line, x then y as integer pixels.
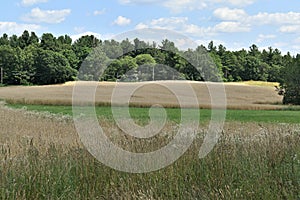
{"type": "Point", "coordinates": [30, 60]}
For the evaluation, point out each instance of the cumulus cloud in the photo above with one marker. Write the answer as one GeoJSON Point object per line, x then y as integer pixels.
{"type": "Point", "coordinates": [122, 21]}
{"type": "Point", "coordinates": [141, 26]}
{"type": "Point", "coordinates": [232, 27]}
{"type": "Point", "coordinates": [180, 24]}
{"type": "Point", "coordinates": [46, 16]}
{"type": "Point", "coordinates": [15, 28]}
{"type": "Point", "coordinates": [169, 23]}
{"type": "Point", "coordinates": [232, 21]}
{"type": "Point", "coordinates": [289, 22]}
{"type": "Point", "coordinates": [275, 18]}
{"type": "Point", "coordinates": [32, 2]}
{"type": "Point", "coordinates": [230, 14]}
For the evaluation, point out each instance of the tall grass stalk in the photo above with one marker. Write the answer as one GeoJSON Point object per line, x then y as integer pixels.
{"type": "Point", "coordinates": [247, 164]}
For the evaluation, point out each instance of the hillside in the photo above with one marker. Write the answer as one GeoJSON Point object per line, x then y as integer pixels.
{"type": "Point", "coordinates": [239, 95]}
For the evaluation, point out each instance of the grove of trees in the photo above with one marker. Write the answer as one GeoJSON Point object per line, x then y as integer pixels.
{"type": "Point", "coordinates": [30, 60]}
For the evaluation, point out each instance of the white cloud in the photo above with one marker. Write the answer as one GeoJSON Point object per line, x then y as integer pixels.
{"type": "Point", "coordinates": [179, 24]}
{"type": "Point", "coordinates": [262, 38]}
{"type": "Point", "coordinates": [275, 18]}
{"type": "Point", "coordinates": [289, 22]}
{"type": "Point", "coordinates": [169, 23]}
{"type": "Point", "coordinates": [185, 43]}
{"type": "Point", "coordinates": [46, 16]}
{"type": "Point", "coordinates": [141, 26]}
{"type": "Point", "coordinates": [232, 27]}
{"type": "Point", "coordinates": [232, 21]}
{"type": "Point", "coordinates": [99, 12]}
{"type": "Point", "coordinates": [122, 21]}
{"type": "Point", "coordinates": [32, 2]}
{"type": "Point", "coordinates": [265, 18]}
{"type": "Point", "coordinates": [196, 30]}
{"type": "Point", "coordinates": [15, 28]}
{"type": "Point", "coordinates": [230, 14]}
{"type": "Point", "coordinates": [290, 18]}
{"type": "Point", "coordinates": [290, 29]}
{"type": "Point", "coordinates": [182, 25]}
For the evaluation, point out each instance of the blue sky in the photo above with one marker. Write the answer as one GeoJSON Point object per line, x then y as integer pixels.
{"type": "Point", "coordinates": [234, 23]}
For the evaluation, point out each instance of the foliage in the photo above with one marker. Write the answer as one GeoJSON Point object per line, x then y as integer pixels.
{"type": "Point", "coordinates": [291, 82]}
{"type": "Point", "coordinates": [10, 63]}
{"type": "Point", "coordinates": [143, 59]}
{"type": "Point", "coordinates": [52, 68]}
{"type": "Point", "coordinates": [94, 65]}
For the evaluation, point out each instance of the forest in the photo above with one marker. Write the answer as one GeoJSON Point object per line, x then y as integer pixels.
{"type": "Point", "coordinates": [32, 60]}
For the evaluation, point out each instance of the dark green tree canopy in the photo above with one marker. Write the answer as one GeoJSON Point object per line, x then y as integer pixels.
{"type": "Point", "coordinates": [291, 82]}
{"type": "Point", "coordinates": [51, 68]}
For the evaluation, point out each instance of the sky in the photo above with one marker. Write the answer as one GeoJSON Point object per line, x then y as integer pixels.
{"type": "Point", "coordinates": [236, 24]}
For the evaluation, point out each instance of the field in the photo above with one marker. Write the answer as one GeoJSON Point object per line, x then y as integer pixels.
{"type": "Point", "coordinates": [239, 96]}
{"type": "Point", "coordinates": [41, 157]}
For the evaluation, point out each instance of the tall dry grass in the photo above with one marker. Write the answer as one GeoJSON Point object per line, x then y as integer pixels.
{"type": "Point", "coordinates": [41, 158]}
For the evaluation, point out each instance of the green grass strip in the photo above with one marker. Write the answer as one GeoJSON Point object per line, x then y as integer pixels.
{"type": "Point", "coordinates": [174, 114]}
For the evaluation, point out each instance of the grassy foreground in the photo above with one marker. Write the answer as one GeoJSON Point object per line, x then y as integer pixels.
{"type": "Point", "coordinates": [266, 168]}
{"type": "Point", "coordinates": [251, 160]}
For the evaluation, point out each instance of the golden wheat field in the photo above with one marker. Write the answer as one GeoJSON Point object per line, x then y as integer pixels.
{"type": "Point", "coordinates": [249, 95]}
